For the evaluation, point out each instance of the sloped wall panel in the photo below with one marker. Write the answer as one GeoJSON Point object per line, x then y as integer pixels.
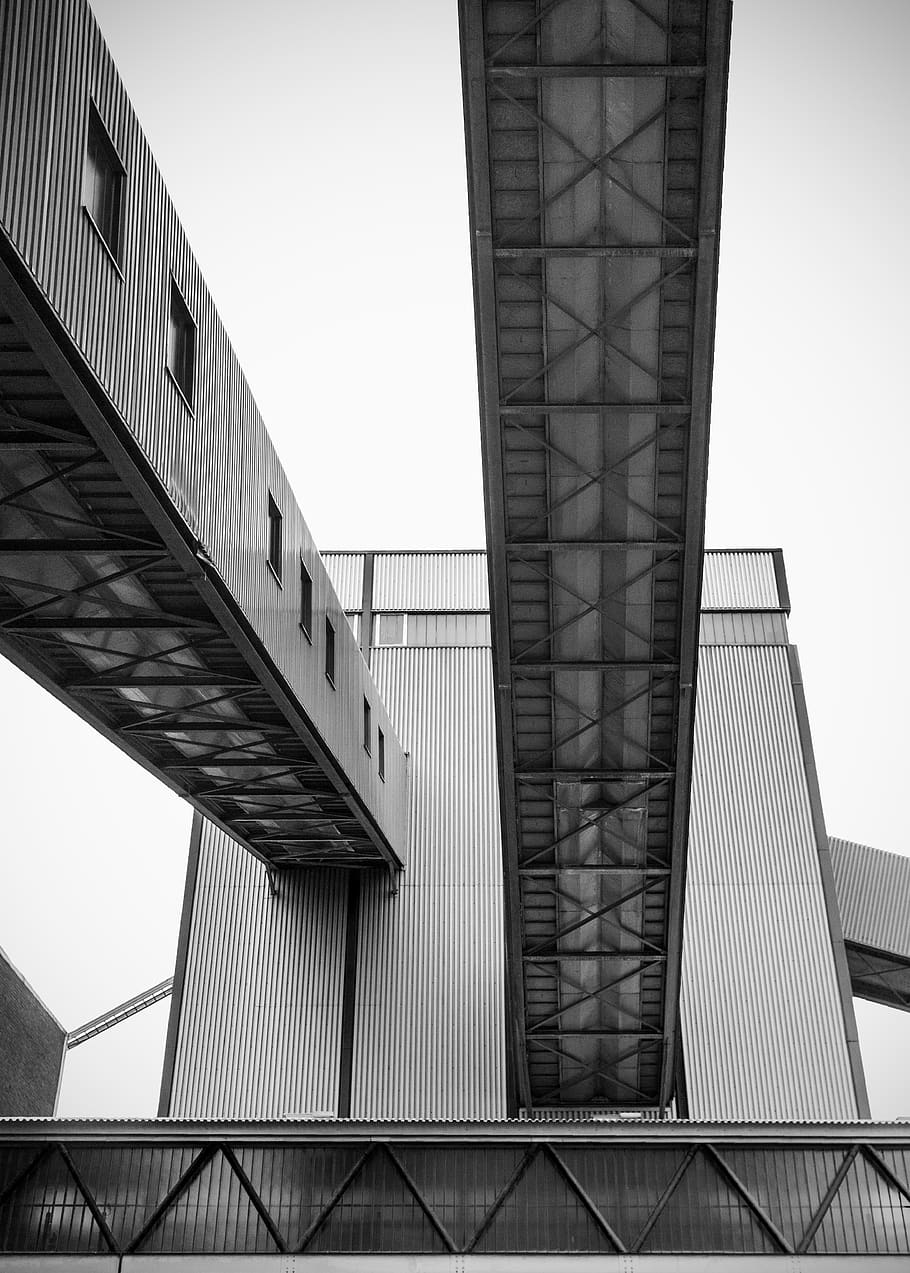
{"type": "Point", "coordinates": [261, 1009]}
{"type": "Point", "coordinates": [764, 1034]}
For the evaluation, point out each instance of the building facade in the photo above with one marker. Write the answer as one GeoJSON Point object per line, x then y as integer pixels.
{"type": "Point", "coordinates": [303, 1001]}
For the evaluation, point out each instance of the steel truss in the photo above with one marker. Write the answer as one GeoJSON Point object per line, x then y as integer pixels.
{"type": "Point", "coordinates": [494, 1189]}
{"type": "Point", "coordinates": [882, 976]}
{"type": "Point", "coordinates": [122, 1012]}
{"type": "Point", "coordinates": [595, 137]}
{"type": "Point", "coordinates": [122, 623]}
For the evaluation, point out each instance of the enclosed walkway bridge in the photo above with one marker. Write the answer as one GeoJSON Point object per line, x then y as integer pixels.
{"type": "Point", "coordinates": [873, 897]}
{"type": "Point", "coordinates": [595, 139]}
{"type": "Point", "coordinates": [155, 572]}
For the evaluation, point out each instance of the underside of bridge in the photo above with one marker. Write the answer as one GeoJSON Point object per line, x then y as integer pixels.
{"type": "Point", "coordinates": [105, 604]}
{"type": "Point", "coordinates": [595, 144]}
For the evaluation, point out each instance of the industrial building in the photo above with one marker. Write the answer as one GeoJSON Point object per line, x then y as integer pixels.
{"type": "Point", "coordinates": [499, 941]}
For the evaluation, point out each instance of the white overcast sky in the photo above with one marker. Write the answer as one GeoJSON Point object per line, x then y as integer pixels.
{"type": "Point", "coordinates": [314, 153]}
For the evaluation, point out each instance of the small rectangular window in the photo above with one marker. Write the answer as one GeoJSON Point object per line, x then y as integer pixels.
{"type": "Point", "coordinates": [181, 345]}
{"type": "Point", "coordinates": [367, 729]}
{"type": "Point", "coordinates": [102, 183]}
{"type": "Point", "coordinates": [274, 538]}
{"type": "Point", "coordinates": [306, 601]}
{"type": "Point", "coordinates": [391, 629]}
{"type": "Point", "coordinates": [330, 652]}
{"type": "Point", "coordinates": [380, 749]}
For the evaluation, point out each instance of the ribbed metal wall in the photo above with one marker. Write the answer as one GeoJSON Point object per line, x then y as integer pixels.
{"type": "Point", "coordinates": [763, 1027]}
{"type": "Point", "coordinates": [740, 581]}
{"type": "Point", "coordinates": [345, 570]}
{"type": "Point", "coordinates": [430, 1012]}
{"type": "Point", "coordinates": [763, 1031]}
{"type": "Point", "coordinates": [260, 1017]}
{"type": "Point", "coordinates": [873, 894]}
{"type": "Point", "coordinates": [430, 1016]}
{"type": "Point", "coordinates": [743, 628]}
{"type": "Point", "coordinates": [117, 316]}
{"type": "Point", "coordinates": [431, 581]}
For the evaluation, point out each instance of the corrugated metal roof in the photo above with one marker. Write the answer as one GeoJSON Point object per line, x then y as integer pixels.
{"type": "Point", "coordinates": [743, 580]}
{"type": "Point", "coordinates": [763, 1028]}
{"type": "Point", "coordinates": [615, 1127]}
{"type": "Point", "coordinates": [873, 894]}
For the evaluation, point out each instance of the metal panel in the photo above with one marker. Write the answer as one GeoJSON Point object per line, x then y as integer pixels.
{"type": "Point", "coordinates": [873, 897]}
{"type": "Point", "coordinates": [260, 1016]}
{"type": "Point", "coordinates": [463, 1191]}
{"type": "Point", "coordinates": [742, 628]}
{"type": "Point", "coordinates": [746, 580]}
{"type": "Point", "coordinates": [345, 571]}
{"type": "Point", "coordinates": [873, 894]}
{"type": "Point", "coordinates": [430, 1013]}
{"type": "Point", "coordinates": [595, 143]}
{"type": "Point", "coordinates": [181, 489]}
{"type": "Point", "coordinates": [430, 581]}
{"type": "Point", "coordinates": [763, 1028]}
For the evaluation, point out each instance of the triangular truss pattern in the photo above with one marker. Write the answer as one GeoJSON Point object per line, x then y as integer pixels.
{"type": "Point", "coordinates": [569, 1224]}
{"type": "Point", "coordinates": [880, 1225]}
{"type": "Point", "coordinates": [299, 1184]}
{"type": "Point", "coordinates": [435, 1197]}
{"type": "Point", "coordinates": [378, 1212]}
{"type": "Point", "coordinates": [129, 1183]}
{"type": "Point", "coordinates": [214, 1211]}
{"type": "Point", "coordinates": [462, 1187]}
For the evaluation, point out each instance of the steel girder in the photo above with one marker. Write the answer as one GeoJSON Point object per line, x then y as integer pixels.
{"type": "Point", "coordinates": [595, 139]}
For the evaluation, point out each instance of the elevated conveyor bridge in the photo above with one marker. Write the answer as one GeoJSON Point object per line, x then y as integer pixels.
{"type": "Point", "coordinates": [595, 140]}
{"type": "Point", "coordinates": [155, 572]}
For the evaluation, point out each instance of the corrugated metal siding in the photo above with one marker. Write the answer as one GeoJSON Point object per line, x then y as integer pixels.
{"type": "Point", "coordinates": [430, 1011]}
{"type": "Point", "coordinates": [431, 581]}
{"type": "Point", "coordinates": [744, 628]}
{"type": "Point", "coordinates": [873, 896]}
{"type": "Point", "coordinates": [763, 1028]}
{"type": "Point", "coordinates": [260, 1019]}
{"type": "Point", "coordinates": [345, 570]}
{"type": "Point", "coordinates": [118, 320]}
{"type": "Point", "coordinates": [740, 581]}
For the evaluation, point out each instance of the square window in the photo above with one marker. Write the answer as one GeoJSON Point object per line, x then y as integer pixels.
{"type": "Point", "coordinates": [102, 183]}
{"type": "Point", "coordinates": [306, 601]}
{"type": "Point", "coordinates": [330, 652]}
{"type": "Point", "coordinates": [274, 538]}
{"type": "Point", "coordinates": [367, 729]}
{"type": "Point", "coordinates": [391, 629]}
{"type": "Point", "coordinates": [380, 749]}
{"type": "Point", "coordinates": [181, 345]}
